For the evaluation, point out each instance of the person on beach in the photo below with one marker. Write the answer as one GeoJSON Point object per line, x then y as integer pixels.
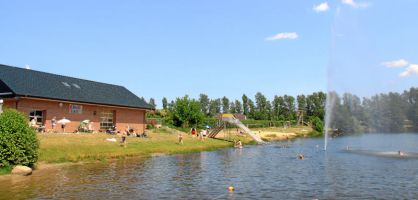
{"type": "Point", "coordinates": [123, 141]}
{"type": "Point", "coordinates": [180, 138]}
{"type": "Point", "coordinates": [53, 122]}
{"type": "Point", "coordinates": [193, 132]}
{"type": "Point", "coordinates": [201, 135]}
{"type": "Point", "coordinates": [205, 132]}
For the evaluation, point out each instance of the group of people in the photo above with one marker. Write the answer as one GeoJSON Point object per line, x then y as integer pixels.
{"type": "Point", "coordinates": [33, 123]}
{"type": "Point", "coordinates": [131, 132]}
{"type": "Point", "coordinates": [201, 135]}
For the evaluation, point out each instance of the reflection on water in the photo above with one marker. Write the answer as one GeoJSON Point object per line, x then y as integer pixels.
{"type": "Point", "coordinates": [392, 154]}
{"type": "Point", "coordinates": [270, 171]}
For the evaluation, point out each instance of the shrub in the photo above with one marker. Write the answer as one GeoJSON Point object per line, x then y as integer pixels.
{"type": "Point", "coordinates": [317, 124]}
{"type": "Point", "coordinates": [186, 112]}
{"type": "Point", "coordinates": [149, 126]}
{"type": "Point", "coordinates": [18, 142]}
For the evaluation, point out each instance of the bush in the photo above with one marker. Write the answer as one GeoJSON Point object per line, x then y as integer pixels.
{"type": "Point", "coordinates": [186, 112]}
{"type": "Point", "coordinates": [317, 124]}
{"type": "Point", "coordinates": [18, 142]}
{"type": "Point", "coordinates": [149, 126]}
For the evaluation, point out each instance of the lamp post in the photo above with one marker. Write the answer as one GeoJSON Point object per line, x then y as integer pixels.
{"type": "Point", "coordinates": [1, 106]}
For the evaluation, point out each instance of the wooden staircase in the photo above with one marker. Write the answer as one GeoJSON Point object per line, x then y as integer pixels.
{"type": "Point", "coordinates": [215, 131]}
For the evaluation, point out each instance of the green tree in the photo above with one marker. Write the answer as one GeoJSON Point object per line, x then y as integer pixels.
{"type": "Point", "coordinates": [245, 106]}
{"type": "Point", "coordinates": [165, 103]}
{"type": "Point", "coordinates": [301, 99]}
{"type": "Point", "coordinates": [152, 102]}
{"type": "Point", "coordinates": [315, 105]}
{"type": "Point", "coordinates": [171, 104]}
{"type": "Point", "coordinates": [232, 108]}
{"type": "Point", "coordinates": [301, 107]}
{"type": "Point", "coordinates": [317, 124]}
{"type": "Point", "coordinates": [238, 107]}
{"type": "Point", "coordinates": [251, 109]}
{"type": "Point", "coordinates": [289, 107]}
{"type": "Point", "coordinates": [411, 97]}
{"type": "Point", "coordinates": [186, 112]}
{"type": "Point", "coordinates": [204, 102]}
{"type": "Point", "coordinates": [225, 104]}
{"type": "Point", "coordinates": [215, 107]}
{"type": "Point", "coordinates": [18, 142]}
{"type": "Point", "coordinates": [278, 106]}
{"type": "Point", "coordinates": [263, 107]}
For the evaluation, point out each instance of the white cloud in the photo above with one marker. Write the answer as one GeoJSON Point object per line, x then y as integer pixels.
{"type": "Point", "coordinates": [281, 36]}
{"type": "Point", "coordinates": [412, 69]}
{"type": "Point", "coordinates": [354, 4]}
{"type": "Point", "coordinates": [396, 63]}
{"type": "Point", "coordinates": [321, 7]}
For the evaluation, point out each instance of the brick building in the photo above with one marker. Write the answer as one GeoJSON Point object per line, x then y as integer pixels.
{"type": "Point", "coordinates": [45, 96]}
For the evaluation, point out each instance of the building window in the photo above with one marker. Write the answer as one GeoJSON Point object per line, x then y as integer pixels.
{"type": "Point", "coordinates": [106, 120]}
{"type": "Point", "coordinates": [38, 114]}
{"type": "Point", "coordinates": [76, 109]}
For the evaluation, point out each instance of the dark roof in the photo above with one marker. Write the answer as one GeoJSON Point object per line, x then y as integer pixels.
{"type": "Point", "coordinates": [31, 83]}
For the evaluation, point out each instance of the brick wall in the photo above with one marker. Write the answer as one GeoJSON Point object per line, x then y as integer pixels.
{"type": "Point", "coordinates": [123, 117]}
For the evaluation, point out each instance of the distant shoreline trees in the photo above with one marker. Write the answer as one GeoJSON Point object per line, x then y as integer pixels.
{"type": "Point", "coordinates": [391, 112]}
{"type": "Point", "coordinates": [282, 108]}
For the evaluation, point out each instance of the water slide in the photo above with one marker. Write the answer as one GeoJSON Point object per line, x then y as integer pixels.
{"type": "Point", "coordinates": [229, 118]}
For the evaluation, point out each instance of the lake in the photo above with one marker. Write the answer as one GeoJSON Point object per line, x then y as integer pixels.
{"type": "Point", "coordinates": [256, 172]}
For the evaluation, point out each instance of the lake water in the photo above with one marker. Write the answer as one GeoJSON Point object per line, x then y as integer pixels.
{"type": "Point", "coordinates": [256, 172]}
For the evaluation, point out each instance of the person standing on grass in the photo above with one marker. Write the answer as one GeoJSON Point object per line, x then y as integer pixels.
{"type": "Point", "coordinates": [53, 122]}
{"type": "Point", "coordinates": [180, 138]}
{"type": "Point", "coordinates": [123, 141]}
{"type": "Point", "coordinates": [201, 135]}
{"type": "Point", "coordinates": [193, 132]}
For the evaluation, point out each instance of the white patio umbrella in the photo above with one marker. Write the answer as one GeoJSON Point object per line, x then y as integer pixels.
{"type": "Point", "coordinates": [63, 121]}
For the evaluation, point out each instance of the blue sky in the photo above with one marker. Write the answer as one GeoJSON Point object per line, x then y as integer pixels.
{"type": "Point", "coordinates": [221, 48]}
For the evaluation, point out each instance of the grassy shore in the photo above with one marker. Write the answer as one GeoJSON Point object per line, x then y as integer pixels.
{"type": "Point", "coordinates": [58, 148]}
{"type": "Point", "coordinates": [72, 148]}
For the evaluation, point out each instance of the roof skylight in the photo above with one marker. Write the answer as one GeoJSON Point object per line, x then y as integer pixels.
{"type": "Point", "coordinates": [66, 84]}
{"type": "Point", "coordinates": [76, 86]}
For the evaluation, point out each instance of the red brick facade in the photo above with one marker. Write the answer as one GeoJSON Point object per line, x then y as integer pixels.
{"type": "Point", "coordinates": [122, 117]}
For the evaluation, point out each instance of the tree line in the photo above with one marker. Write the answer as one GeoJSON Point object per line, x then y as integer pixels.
{"type": "Point", "coordinates": [348, 113]}
{"type": "Point", "coordinates": [185, 111]}
{"type": "Point", "coordinates": [391, 112]}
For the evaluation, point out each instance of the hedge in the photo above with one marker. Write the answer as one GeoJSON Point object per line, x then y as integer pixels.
{"type": "Point", "coordinates": [18, 142]}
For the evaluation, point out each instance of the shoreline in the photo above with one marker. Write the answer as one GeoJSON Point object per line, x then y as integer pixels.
{"type": "Point", "coordinates": [60, 150]}
{"type": "Point", "coordinates": [43, 166]}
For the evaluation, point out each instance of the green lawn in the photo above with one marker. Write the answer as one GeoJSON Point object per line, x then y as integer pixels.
{"type": "Point", "coordinates": [56, 148]}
